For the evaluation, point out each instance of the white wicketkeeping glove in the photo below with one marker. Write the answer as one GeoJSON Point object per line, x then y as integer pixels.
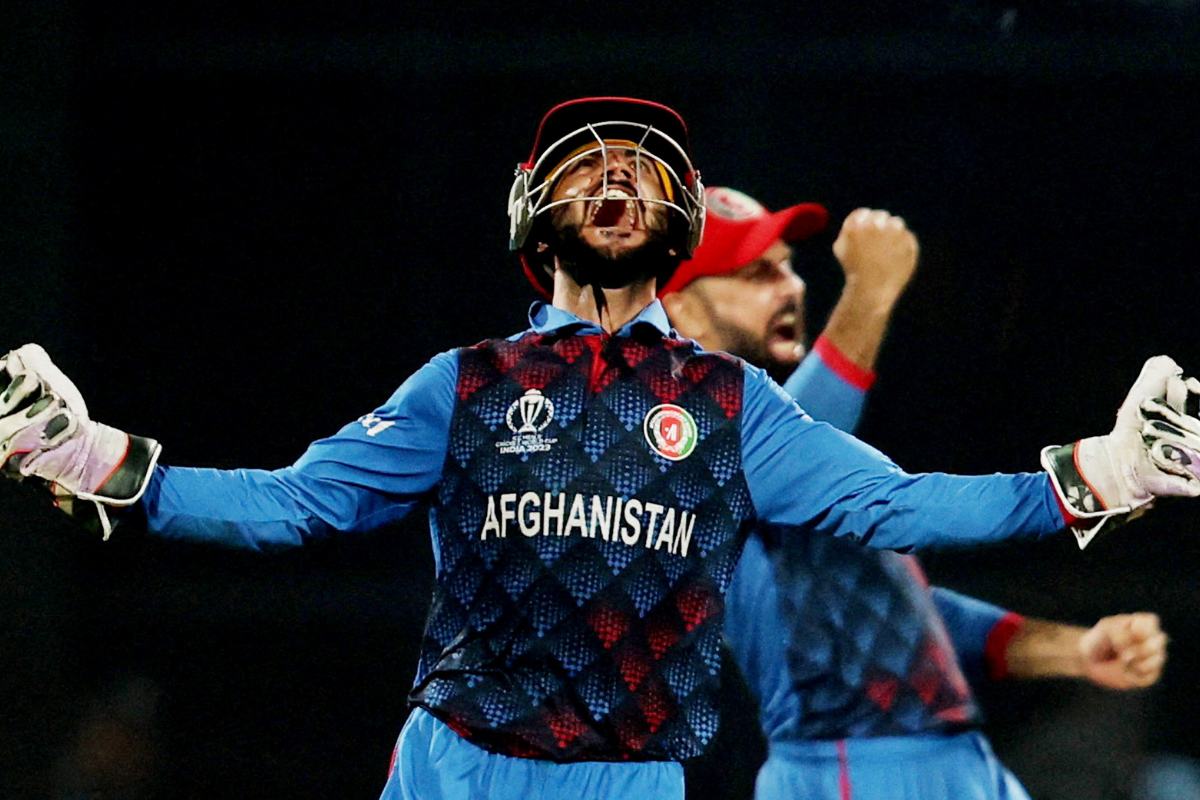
{"type": "Point", "coordinates": [45, 432]}
{"type": "Point", "coordinates": [1172, 426]}
{"type": "Point", "coordinates": [1153, 451]}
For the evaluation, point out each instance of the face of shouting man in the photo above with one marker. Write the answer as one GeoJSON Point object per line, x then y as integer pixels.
{"type": "Point", "coordinates": [755, 311]}
{"type": "Point", "coordinates": [610, 232]}
{"type": "Point", "coordinates": [739, 292]}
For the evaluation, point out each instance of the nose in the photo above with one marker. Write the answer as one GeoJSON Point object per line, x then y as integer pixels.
{"type": "Point", "coordinates": [789, 282]}
{"type": "Point", "coordinates": [620, 163]}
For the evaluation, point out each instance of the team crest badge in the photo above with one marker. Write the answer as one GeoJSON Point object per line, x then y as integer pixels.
{"type": "Point", "coordinates": [527, 417]}
{"type": "Point", "coordinates": [671, 432]}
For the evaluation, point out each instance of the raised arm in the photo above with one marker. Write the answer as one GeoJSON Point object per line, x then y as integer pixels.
{"type": "Point", "coordinates": [878, 256]}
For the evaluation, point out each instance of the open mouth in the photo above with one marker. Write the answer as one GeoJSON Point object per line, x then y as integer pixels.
{"type": "Point", "coordinates": [785, 328]}
{"type": "Point", "coordinates": [618, 208]}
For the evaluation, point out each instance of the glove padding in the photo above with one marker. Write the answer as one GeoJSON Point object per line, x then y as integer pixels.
{"type": "Point", "coordinates": [1173, 426]}
{"type": "Point", "coordinates": [45, 432]}
{"type": "Point", "coordinates": [1153, 451]}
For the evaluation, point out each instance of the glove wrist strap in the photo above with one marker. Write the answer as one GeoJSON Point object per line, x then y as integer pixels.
{"type": "Point", "coordinates": [128, 481]}
{"type": "Point", "coordinates": [1077, 496]}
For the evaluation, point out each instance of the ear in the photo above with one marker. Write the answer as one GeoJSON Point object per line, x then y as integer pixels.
{"type": "Point", "coordinates": [672, 302]}
{"type": "Point", "coordinates": [686, 312]}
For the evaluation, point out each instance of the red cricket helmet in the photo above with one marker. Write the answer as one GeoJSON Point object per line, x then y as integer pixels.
{"type": "Point", "coordinates": [578, 128]}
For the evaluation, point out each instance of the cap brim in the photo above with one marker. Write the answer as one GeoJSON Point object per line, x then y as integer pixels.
{"type": "Point", "coordinates": [791, 225]}
{"type": "Point", "coordinates": [731, 244]}
{"type": "Point", "coordinates": [803, 221]}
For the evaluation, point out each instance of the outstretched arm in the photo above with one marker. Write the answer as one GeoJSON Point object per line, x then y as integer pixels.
{"type": "Point", "coordinates": [371, 472]}
{"type": "Point", "coordinates": [1126, 651]}
{"type": "Point", "coordinates": [853, 490]}
{"type": "Point", "coordinates": [980, 631]}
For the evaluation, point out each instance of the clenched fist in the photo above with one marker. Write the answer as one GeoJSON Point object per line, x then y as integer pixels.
{"type": "Point", "coordinates": [1126, 651]}
{"type": "Point", "coordinates": [878, 253]}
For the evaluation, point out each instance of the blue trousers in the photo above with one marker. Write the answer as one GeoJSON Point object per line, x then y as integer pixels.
{"type": "Point", "coordinates": [930, 767]}
{"type": "Point", "coordinates": [432, 762]}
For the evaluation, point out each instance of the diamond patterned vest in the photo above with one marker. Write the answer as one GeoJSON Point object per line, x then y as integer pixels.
{"type": "Point", "coordinates": [590, 514]}
{"type": "Point", "coordinates": [868, 652]}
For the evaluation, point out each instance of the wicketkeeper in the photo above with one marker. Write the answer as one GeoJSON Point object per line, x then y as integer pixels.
{"type": "Point", "coordinates": [584, 547]}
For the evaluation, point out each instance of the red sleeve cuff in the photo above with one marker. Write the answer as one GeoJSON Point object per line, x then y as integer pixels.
{"type": "Point", "coordinates": [995, 650]}
{"type": "Point", "coordinates": [842, 366]}
{"type": "Point", "coordinates": [1069, 519]}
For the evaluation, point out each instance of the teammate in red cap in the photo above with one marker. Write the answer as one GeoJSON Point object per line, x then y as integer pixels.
{"type": "Point", "coordinates": [859, 669]}
{"type": "Point", "coordinates": [756, 309]}
{"type": "Point", "coordinates": [591, 483]}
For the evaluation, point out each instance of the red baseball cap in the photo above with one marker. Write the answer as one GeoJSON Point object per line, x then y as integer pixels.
{"type": "Point", "coordinates": [738, 229]}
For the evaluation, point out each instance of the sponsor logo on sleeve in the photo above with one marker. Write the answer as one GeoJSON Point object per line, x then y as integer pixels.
{"type": "Point", "coordinates": [374, 424]}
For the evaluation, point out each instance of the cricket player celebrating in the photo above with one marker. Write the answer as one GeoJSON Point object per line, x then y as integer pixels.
{"type": "Point", "coordinates": [854, 660]}
{"type": "Point", "coordinates": [592, 481]}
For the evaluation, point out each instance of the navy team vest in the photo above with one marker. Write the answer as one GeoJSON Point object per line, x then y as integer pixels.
{"type": "Point", "coordinates": [868, 653]}
{"type": "Point", "coordinates": [590, 514]}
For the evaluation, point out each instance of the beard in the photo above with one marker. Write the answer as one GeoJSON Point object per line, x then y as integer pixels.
{"type": "Point", "coordinates": [608, 269]}
{"type": "Point", "coordinates": [752, 346]}
{"type": "Point", "coordinates": [749, 346]}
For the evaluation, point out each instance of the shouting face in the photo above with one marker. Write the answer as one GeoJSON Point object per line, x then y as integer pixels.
{"type": "Point", "coordinates": [609, 230]}
{"type": "Point", "coordinates": [756, 311]}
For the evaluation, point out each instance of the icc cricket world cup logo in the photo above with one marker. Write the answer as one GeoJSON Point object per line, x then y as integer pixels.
{"type": "Point", "coordinates": [534, 410]}
{"type": "Point", "coordinates": [527, 417]}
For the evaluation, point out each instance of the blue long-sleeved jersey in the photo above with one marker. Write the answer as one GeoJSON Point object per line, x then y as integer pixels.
{"type": "Point", "coordinates": [625, 408]}
{"type": "Point", "coordinates": [374, 470]}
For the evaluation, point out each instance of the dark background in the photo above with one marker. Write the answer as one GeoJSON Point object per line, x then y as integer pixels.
{"type": "Point", "coordinates": [240, 225]}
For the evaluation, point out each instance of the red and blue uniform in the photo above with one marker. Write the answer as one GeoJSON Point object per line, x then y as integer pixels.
{"type": "Point", "coordinates": [590, 495]}
{"type": "Point", "coordinates": [860, 669]}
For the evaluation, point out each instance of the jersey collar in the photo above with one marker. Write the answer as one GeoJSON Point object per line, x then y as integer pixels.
{"type": "Point", "coordinates": [545, 318]}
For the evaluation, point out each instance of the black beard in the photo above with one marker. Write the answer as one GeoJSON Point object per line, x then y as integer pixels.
{"type": "Point", "coordinates": [749, 346]}
{"type": "Point", "coordinates": [587, 266]}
